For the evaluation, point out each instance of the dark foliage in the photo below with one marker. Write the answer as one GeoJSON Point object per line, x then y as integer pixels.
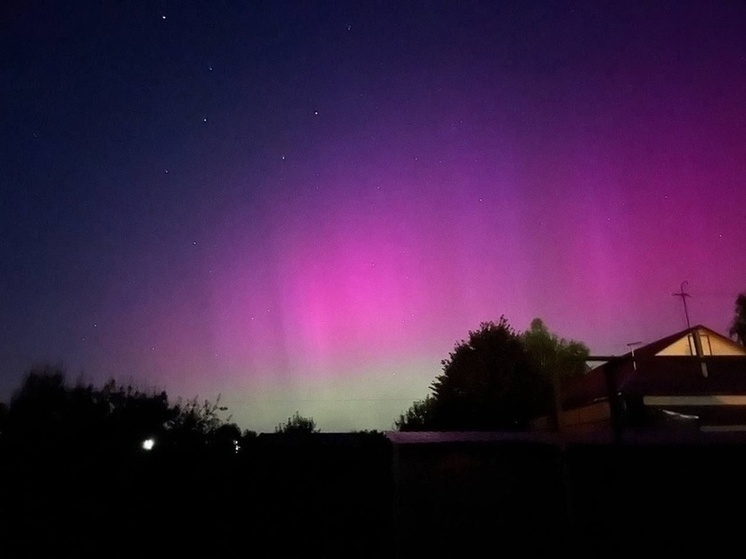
{"type": "Point", "coordinates": [552, 354]}
{"type": "Point", "coordinates": [46, 414]}
{"type": "Point", "coordinates": [488, 382]}
{"type": "Point", "coordinates": [737, 329]}
{"type": "Point", "coordinates": [496, 380]}
{"type": "Point", "coordinates": [297, 425]}
{"type": "Point", "coordinates": [343, 495]}
{"type": "Point", "coordinates": [417, 417]}
{"type": "Point", "coordinates": [197, 426]}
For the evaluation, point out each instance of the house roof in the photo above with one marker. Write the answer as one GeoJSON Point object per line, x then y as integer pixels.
{"type": "Point", "coordinates": [645, 371]}
{"type": "Point", "coordinates": [653, 348]}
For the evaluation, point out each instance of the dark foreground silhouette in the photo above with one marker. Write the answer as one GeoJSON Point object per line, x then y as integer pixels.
{"type": "Point", "coordinates": [357, 495]}
{"type": "Point", "coordinates": [79, 477]}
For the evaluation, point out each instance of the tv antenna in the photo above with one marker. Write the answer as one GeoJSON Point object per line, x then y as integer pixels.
{"type": "Point", "coordinates": [683, 296]}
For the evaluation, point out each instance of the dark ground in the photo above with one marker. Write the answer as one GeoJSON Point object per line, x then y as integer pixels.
{"type": "Point", "coordinates": [353, 496]}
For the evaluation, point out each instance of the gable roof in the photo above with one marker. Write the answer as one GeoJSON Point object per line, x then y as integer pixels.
{"type": "Point", "coordinates": [654, 348]}
{"type": "Point", "coordinates": [652, 369]}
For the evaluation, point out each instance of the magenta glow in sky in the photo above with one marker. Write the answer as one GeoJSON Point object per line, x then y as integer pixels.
{"type": "Point", "coordinates": [305, 208]}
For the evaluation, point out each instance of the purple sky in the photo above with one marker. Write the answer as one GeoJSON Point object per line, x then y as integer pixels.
{"type": "Point", "coordinates": [304, 207]}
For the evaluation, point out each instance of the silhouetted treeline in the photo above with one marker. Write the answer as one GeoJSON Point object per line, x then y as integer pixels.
{"type": "Point", "coordinates": [79, 478]}
{"type": "Point", "coordinates": [297, 425]}
{"type": "Point", "coordinates": [336, 495]}
{"type": "Point", "coordinates": [46, 414]}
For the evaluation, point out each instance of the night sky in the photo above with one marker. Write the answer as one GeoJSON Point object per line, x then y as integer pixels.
{"type": "Point", "coordinates": [304, 206]}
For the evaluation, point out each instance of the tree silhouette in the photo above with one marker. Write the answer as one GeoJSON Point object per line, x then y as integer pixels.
{"type": "Point", "coordinates": [488, 382]}
{"type": "Point", "coordinates": [552, 354]}
{"type": "Point", "coordinates": [417, 417]}
{"type": "Point", "coordinates": [133, 415]}
{"type": "Point", "coordinates": [194, 423]}
{"type": "Point", "coordinates": [738, 326]}
{"type": "Point", "coordinates": [38, 409]}
{"type": "Point", "coordinates": [45, 413]}
{"type": "Point", "coordinates": [3, 418]}
{"type": "Point", "coordinates": [497, 379]}
{"type": "Point", "coordinates": [76, 453]}
{"type": "Point", "coordinates": [297, 425]}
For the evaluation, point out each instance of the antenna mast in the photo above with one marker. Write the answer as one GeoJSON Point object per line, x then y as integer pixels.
{"type": "Point", "coordinates": [683, 296]}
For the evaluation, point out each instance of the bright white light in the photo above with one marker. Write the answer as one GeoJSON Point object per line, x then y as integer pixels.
{"type": "Point", "coordinates": [236, 446]}
{"type": "Point", "coordinates": [148, 444]}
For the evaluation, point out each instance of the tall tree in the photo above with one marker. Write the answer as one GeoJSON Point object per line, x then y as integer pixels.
{"type": "Point", "coordinates": [555, 357]}
{"type": "Point", "coordinates": [496, 379]}
{"type": "Point", "coordinates": [552, 354]}
{"type": "Point", "coordinates": [738, 326]}
{"type": "Point", "coordinates": [488, 382]}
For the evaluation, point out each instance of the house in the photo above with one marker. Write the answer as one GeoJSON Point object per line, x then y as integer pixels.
{"type": "Point", "coordinates": [694, 380]}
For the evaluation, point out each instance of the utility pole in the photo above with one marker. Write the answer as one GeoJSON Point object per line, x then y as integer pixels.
{"type": "Point", "coordinates": [683, 296]}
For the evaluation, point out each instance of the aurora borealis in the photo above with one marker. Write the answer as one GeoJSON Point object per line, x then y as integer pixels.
{"type": "Point", "coordinates": [303, 206]}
